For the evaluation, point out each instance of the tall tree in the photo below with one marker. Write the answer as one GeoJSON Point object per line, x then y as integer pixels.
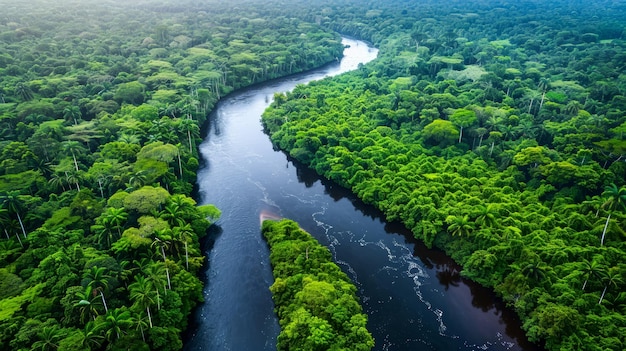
{"type": "Point", "coordinates": [11, 201]}
{"type": "Point", "coordinates": [615, 199]}
{"type": "Point", "coordinates": [612, 278]}
{"type": "Point", "coordinates": [116, 322]}
{"type": "Point", "coordinates": [74, 148]}
{"type": "Point", "coordinates": [72, 113]}
{"type": "Point", "coordinates": [98, 280]}
{"type": "Point", "coordinates": [141, 295]}
{"type": "Point", "coordinates": [463, 118]}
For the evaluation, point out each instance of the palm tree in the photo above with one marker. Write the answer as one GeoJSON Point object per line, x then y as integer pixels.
{"type": "Point", "coordinates": [115, 217]}
{"type": "Point", "coordinates": [57, 181]}
{"type": "Point", "coordinates": [137, 180]}
{"type": "Point", "coordinates": [573, 107]}
{"type": "Point", "coordinates": [487, 215]}
{"type": "Point", "coordinates": [74, 148]}
{"type": "Point", "coordinates": [155, 273]}
{"type": "Point", "coordinates": [140, 324]}
{"type": "Point", "coordinates": [535, 271]}
{"type": "Point", "coordinates": [72, 113]}
{"type": "Point", "coordinates": [161, 242]}
{"type": "Point", "coordinates": [48, 339]}
{"type": "Point", "coordinates": [141, 294]}
{"type": "Point", "coordinates": [116, 322]}
{"type": "Point", "coordinates": [612, 278]}
{"type": "Point", "coordinates": [532, 95]}
{"type": "Point", "coordinates": [129, 138]}
{"type": "Point", "coordinates": [98, 281]}
{"type": "Point", "coordinates": [74, 177]}
{"type": "Point", "coordinates": [87, 304]}
{"type": "Point", "coordinates": [590, 269]}
{"type": "Point", "coordinates": [190, 127]}
{"type": "Point", "coordinates": [615, 199]}
{"type": "Point", "coordinates": [11, 202]}
{"type": "Point", "coordinates": [92, 337]}
{"type": "Point", "coordinates": [183, 234]}
{"type": "Point", "coordinates": [458, 225]}
{"type": "Point", "coordinates": [23, 91]}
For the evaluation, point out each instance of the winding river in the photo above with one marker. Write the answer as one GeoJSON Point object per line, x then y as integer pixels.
{"type": "Point", "coordinates": [414, 297]}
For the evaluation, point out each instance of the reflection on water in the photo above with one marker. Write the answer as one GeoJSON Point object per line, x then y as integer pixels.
{"type": "Point", "coordinates": [414, 297]}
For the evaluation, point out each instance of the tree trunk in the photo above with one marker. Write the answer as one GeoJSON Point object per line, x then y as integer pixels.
{"type": "Point", "coordinates": [606, 225]}
{"type": "Point", "coordinates": [189, 137]}
{"type": "Point", "coordinates": [75, 163]}
{"type": "Point", "coordinates": [149, 316]}
{"type": "Point", "coordinates": [186, 256]}
{"type": "Point", "coordinates": [460, 134]}
{"type": "Point", "coordinates": [101, 191]}
{"type": "Point", "coordinates": [106, 309]}
{"type": "Point", "coordinates": [18, 239]}
{"type": "Point", "coordinates": [585, 284]}
{"type": "Point", "coordinates": [19, 219]}
{"type": "Point", "coordinates": [180, 166]}
{"type": "Point", "coordinates": [603, 292]}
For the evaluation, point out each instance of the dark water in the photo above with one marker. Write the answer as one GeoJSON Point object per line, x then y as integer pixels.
{"type": "Point", "coordinates": [414, 297]}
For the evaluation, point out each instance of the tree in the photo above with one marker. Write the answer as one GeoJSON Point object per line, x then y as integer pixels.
{"type": "Point", "coordinates": [590, 269]}
{"type": "Point", "coordinates": [74, 148]}
{"type": "Point", "coordinates": [48, 339]}
{"type": "Point", "coordinates": [615, 199]}
{"type": "Point", "coordinates": [92, 337]}
{"type": "Point", "coordinates": [162, 240]}
{"type": "Point", "coordinates": [11, 202]}
{"type": "Point", "coordinates": [613, 278]}
{"type": "Point", "coordinates": [487, 215]}
{"type": "Point", "coordinates": [98, 280]}
{"type": "Point", "coordinates": [115, 217]}
{"type": "Point", "coordinates": [190, 127]}
{"type": "Point", "coordinates": [440, 131]}
{"type": "Point", "coordinates": [132, 93]}
{"type": "Point", "coordinates": [463, 118]}
{"type": "Point", "coordinates": [72, 113]}
{"type": "Point", "coordinates": [116, 322]}
{"type": "Point", "coordinates": [459, 225]}
{"type": "Point", "coordinates": [157, 278]}
{"type": "Point", "coordinates": [23, 91]}
{"type": "Point", "coordinates": [183, 234]}
{"type": "Point", "coordinates": [87, 303]}
{"type": "Point", "coordinates": [141, 294]}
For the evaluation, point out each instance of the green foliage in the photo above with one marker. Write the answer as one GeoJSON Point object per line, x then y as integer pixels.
{"type": "Point", "coordinates": [146, 199]}
{"type": "Point", "coordinates": [516, 200]}
{"type": "Point", "coordinates": [315, 301]}
{"type": "Point", "coordinates": [440, 132]}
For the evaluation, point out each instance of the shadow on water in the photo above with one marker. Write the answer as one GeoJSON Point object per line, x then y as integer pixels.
{"type": "Point", "coordinates": [206, 245]}
{"type": "Point", "coordinates": [446, 270]}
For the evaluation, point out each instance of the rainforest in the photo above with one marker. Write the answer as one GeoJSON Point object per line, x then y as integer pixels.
{"type": "Point", "coordinates": [491, 130]}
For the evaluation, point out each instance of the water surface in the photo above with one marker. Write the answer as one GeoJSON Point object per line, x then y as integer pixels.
{"type": "Point", "coordinates": [414, 297]}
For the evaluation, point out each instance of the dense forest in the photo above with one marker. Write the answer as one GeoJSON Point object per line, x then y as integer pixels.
{"type": "Point", "coordinates": [101, 106]}
{"type": "Point", "coordinates": [491, 129]}
{"type": "Point", "coordinates": [496, 132]}
{"type": "Point", "coordinates": [316, 302]}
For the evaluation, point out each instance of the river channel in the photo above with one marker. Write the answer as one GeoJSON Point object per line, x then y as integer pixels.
{"type": "Point", "coordinates": [414, 297]}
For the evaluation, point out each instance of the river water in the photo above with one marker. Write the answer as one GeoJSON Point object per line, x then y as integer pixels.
{"type": "Point", "coordinates": [414, 297]}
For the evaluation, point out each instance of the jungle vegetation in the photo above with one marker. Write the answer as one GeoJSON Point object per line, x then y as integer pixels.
{"type": "Point", "coordinates": [316, 302]}
{"type": "Point", "coordinates": [495, 131]}
{"type": "Point", "coordinates": [492, 129]}
{"type": "Point", "coordinates": [101, 105]}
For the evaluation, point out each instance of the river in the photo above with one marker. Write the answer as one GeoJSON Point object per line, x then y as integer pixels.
{"type": "Point", "coordinates": [414, 297]}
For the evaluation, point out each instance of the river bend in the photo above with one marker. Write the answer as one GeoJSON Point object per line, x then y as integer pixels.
{"type": "Point", "coordinates": [414, 297]}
